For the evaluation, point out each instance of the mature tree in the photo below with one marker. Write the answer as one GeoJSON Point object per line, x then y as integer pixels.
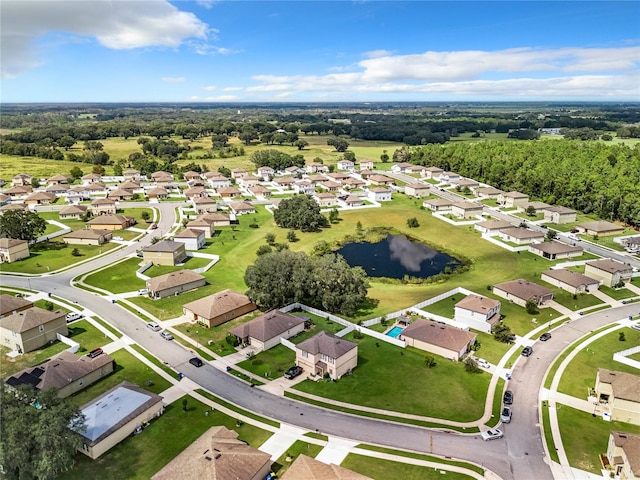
{"type": "Point", "coordinates": [413, 222]}
{"type": "Point", "coordinates": [37, 443]}
{"type": "Point", "coordinates": [248, 135]}
{"type": "Point", "coordinates": [219, 141]}
{"type": "Point", "coordinates": [76, 173]}
{"type": "Point", "coordinates": [551, 234]}
{"type": "Point", "coordinates": [531, 307]}
{"type": "Point", "coordinates": [291, 236]}
{"type": "Point", "coordinates": [340, 144]}
{"type": "Point", "coordinates": [22, 225]}
{"type": "Point", "coordinates": [334, 216]}
{"type": "Point", "coordinates": [66, 142]}
{"type": "Point", "coordinates": [384, 157]}
{"type": "Point", "coordinates": [530, 211]}
{"type": "Point", "coordinates": [502, 333]}
{"type": "Point", "coordinates": [300, 212]}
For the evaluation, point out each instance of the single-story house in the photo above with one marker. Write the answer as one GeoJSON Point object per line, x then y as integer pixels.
{"type": "Point", "coordinates": [466, 209]}
{"type": "Point", "coordinates": [284, 182]}
{"type": "Point", "coordinates": [21, 180]}
{"type": "Point", "coordinates": [353, 201]}
{"type": "Point", "coordinates": [366, 174]}
{"type": "Point", "coordinates": [191, 176]}
{"type": "Point", "coordinates": [521, 236]}
{"type": "Point", "coordinates": [242, 208]}
{"type": "Point", "coordinates": [10, 304]}
{"type": "Point", "coordinates": [609, 272]}
{"type": "Point", "coordinates": [623, 454]}
{"type": "Point", "coordinates": [195, 192]}
{"type": "Point", "coordinates": [326, 199]}
{"type": "Point", "coordinates": [162, 178]}
{"type": "Point", "coordinates": [521, 291]}
{"type": "Point", "coordinates": [513, 199]}
{"type": "Point", "coordinates": [218, 454]}
{"type": "Point", "coordinates": [73, 211]}
{"type": "Point", "coordinates": [477, 312]}
{"type": "Point", "coordinates": [91, 178]}
{"type": "Point", "coordinates": [103, 206]}
{"type": "Point", "coordinates": [380, 180]}
{"type": "Point", "coordinates": [555, 250]}
{"type": "Point", "coordinates": [417, 190]}
{"type": "Point", "coordinates": [12, 250]}
{"type": "Point", "coordinates": [487, 192]}
{"type": "Point", "coordinates": [130, 185]}
{"type": "Point", "coordinates": [13, 206]}
{"type": "Point", "coordinates": [536, 207]}
{"type": "Point", "coordinates": [40, 198]}
{"type": "Point", "coordinates": [559, 215]}
{"type": "Point", "coordinates": [66, 373]}
{"type": "Point", "coordinates": [327, 354]}
{"type": "Point", "coordinates": [157, 193]}
{"type": "Point", "coordinates": [18, 192]}
{"type": "Point", "coordinates": [352, 183]}
{"type": "Point", "coordinates": [132, 174]}
{"type": "Point", "coordinates": [379, 194]}
{"type": "Point", "coordinates": [492, 227]}
{"type": "Point", "coordinates": [165, 252]}
{"type": "Point", "coordinates": [266, 330]}
{"type": "Point", "coordinates": [111, 222]}
{"type": "Point", "coordinates": [228, 192]}
{"type": "Point", "coordinates": [260, 191]}
{"type": "Point", "coordinates": [438, 204]}
{"type": "Point", "coordinates": [600, 228]}
{"type": "Point", "coordinates": [88, 236]}
{"type": "Point", "coordinates": [204, 205]}
{"type": "Point", "coordinates": [345, 165]}
{"type": "Point", "coordinates": [293, 170]}
{"type": "Point", "coordinates": [307, 468]}
{"type": "Point", "coordinates": [620, 391]}
{"type": "Point", "coordinates": [572, 282]}
{"type": "Point", "coordinates": [330, 186]}
{"type": "Point", "coordinates": [463, 183]}
{"type": "Point", "coordinates": [113, 416]}
{"type": "Point", "coordinates": [432, 172]}
{"type": "Point", "coordinates": [192, 239]}
{"type": "Point", "coordinates": [218, 308]}
{"type": "Point", "coordinates": [32, 328]}
{"type": "Point", "coordinates": [59, 189]}
{"type": "Point", "coordinates": [174, 283]}
{"type": "Point", "coordinates": [120, 194]}
{"type": "Point", "coordinates": [444, 340]}
{"type": "Point", "coordinates": [632, 243]}
{"type": "Point", "coordinates": [366, 164]}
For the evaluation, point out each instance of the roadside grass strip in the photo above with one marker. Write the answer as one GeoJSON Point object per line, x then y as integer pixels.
{"type": "Point", "coordinates": [238, 410]}
{"type": "Point", "coordinates": [548, 437]}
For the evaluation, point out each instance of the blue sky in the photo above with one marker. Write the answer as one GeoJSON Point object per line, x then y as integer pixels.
{"type": "Point", "coordinates": [309, 51]}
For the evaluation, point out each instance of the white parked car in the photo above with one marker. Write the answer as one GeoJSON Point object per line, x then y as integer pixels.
{"type": "Point", "coordinates": [482, 363]}
{"type": "Point", "coordinates": [492, 434]}
{"type": "Point", "coordinates": [73, 316]}
{"type": "Point", "coordinates": [154, 326]}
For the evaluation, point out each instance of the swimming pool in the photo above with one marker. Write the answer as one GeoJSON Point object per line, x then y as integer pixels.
{"type": "Point", "coordinates": [394, 332]}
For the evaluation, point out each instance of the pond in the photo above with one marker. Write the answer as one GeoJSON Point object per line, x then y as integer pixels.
{"type": "Point", "coordinates": [396, 257]}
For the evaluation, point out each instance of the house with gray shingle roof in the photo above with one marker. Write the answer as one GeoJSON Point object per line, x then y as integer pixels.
{"type": "Point", "coordinates": [32, 328]}
{"type": "Point", "coordinates": [620, 392]}
{"type": "Point", "coordinates": [572, 282]}
{"type": "Point", "coordinates": [444, 340]}
{"type": "Point", "coordinates": [327, 354]}
{"type": "Point", "coordinates": [218, 308]}
{"type": "Point", "coordinates": [266, 330]}
{"type": "Point", "coordinates": [174, 283]}
{"type": "Point", "coordinates": [521, 291]}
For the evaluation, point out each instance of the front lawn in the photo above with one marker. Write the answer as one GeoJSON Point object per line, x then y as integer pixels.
{"type": "Point", "coordinates": [299, 447]}
{"type": "Point", "coordinates": [580, 302]}
{"type": "Point", "coordinates": [397, 379]}
{"type": "Point", "coordinates": [118, 278]}
{"type": "Point", "coordinates": [271, 363]}
{"type": "Point", "coordinates": [617, 293]}
{"type": "Point", "coordinates": [382, 469]}
{"type": "Point", "coordinates": [190, 263]}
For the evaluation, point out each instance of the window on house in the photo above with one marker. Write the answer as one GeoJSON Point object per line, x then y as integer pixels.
{"type": "Point", "coordinates": [41, 328]}
{"type": "Point", "coordinates": [305, 354]}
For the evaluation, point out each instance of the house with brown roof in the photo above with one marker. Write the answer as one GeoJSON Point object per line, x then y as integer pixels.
{"type": "Point", "coordinates": [162, 178]}
{"type": "Point", "coordinates": [165, 252]}
{"type": "Point", "coordinates": [623, 455]}
{"type": "Point", "coordinates": [40, 198]}
{"type": "Point", "coordinates": [228, 192]}
{"type": "Point", "coordinates": [417, 189]}
{"type": "Point", "coordinates": [130, 185]}
{"type": "Point", "coordinates": [448, 177]}
{"type": "Point", "coordinates": [12, 250]}
{"type": "Point", "coordinates": [366, 164]}
{"type": "Point", "coordinates": [174, 283]}
{"type": "Point", "coordinates": [609, 272]}
{"type": "Point", "coordinates": [59, 189]}
{"type": "Point", "coordinates": [195, 192]}
{"type": "Point", "coordinates": [75, 212]}
{"type": "Point", "coordinates": [242, 208]}
{"type": "Point", "coordinates": [353, 201]}
{"type": "Point", "coordinates": [326, 199]}
{"type": "Point", "coordinates": [463, 183]}
{"type": "Point", "coordinates": [88, 236]}
{"type": "Point", "coordinates": [206, 226]}
{"type": "Point", "coordinates": [217, 180]}
{"type": "Point", "coordinates": [330, 186]}
{"type": "Point", "coordinates": [192, 239]}
{"type": "Point", "coordinates": [91, 178]}
{"type": "Point", "coordinates": [217, 454]}
{"type": "Point", "coordinates": [327, 354]}
{"type": "Point", "coordinates": [238, 173]}
{"type": "Point", "coordinates": [487, 192]}
{"type": "Point", "coordinates": [266, 172]}
{"type": "Point", "coordinates": [259, 191]}
{"type": "Point", "coordinates": [13, 206]}
{"type": "Point", "coordinates": [521, 235]}
{"type": "Point", "coordinates": [379, 194]}
{"type": "Point", "coordinates": [218, 308]}
{"type": "Point", "coordinates": [555, 250]}
{"type": "Point", "coordinates": [572, 282]}
{"type": "Point", "coordinates": [119, 194]}
{"type": "Point", "coordinates": [57, 179]}
{"type": "Point", "coordinates": [191, 176]}
{"type": "Point", "coordinates": [432, 172]}
{"type": "Point", "coordinates": [438, 204]}
{"type": "Point", "coordinates": [103, 206]}
{"type": "Point", "coordinates": [513, 199]}
{"type": "Point", "coordinates": [559, 215]}
{"type": "Point", "coordinates": [204, 205]}
{"type": "Point", "coordinates": [114, 415]}
{"type": "Point", "coordinates": [307, 468]}
{"type": "Point", "coordinates": [10, 304]}
{"type": "Point", "coordinates": [353, 183]}
{"type": "Point", "coordinates": [21, 180]}
{"type": "Point", "coordinates": [380, 180]}
{"type": "Point", "coordinates": [521, 291]}
{"type": "Point", "coordinates": [444, 340]}
{"type": "Point", "coordinates": [157, 193]}
{"type": "Point", "coordinates": [345, 165]}
{"type": "Point", "coordinates": [284, 182]}
{"type": "Point", "coordinates": [492, 227]}
{"type": "Point", "coordinates": [111, 222]}
{"type": "Point", "coordinates": [466, 209]}
{"type": "Point", "coordinates": [600, 227]}
{"type": "Point", "coordinates": [477, 312]}
{"type": "Point", "coordinates": [66, 373]}
{"type": "Point", "coordinates": [132, 174]}
{"type": "Point", "coordinates": [619, 392]}
{"type": "Point", "coordinates": [248, 181]}
{"type": "Point", "coordinates": [18, 192]}
{"type": "Point", "coordinates": [265, 331]}
{"type": "Point", "coordinates": [32, 328]}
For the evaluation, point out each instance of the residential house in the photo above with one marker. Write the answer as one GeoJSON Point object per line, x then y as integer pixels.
{"type": "Point", "coordinates": [492, 227]}
{"type": "Point", "coordinates": [345, 165]}
{"type": "Point", "coordinates": [315, 167]}
{"type": "Point", "coordinates": [157, 193]}
{"type": "Point", "coordinates": [534, 207]}
{"type": "Point", "coordinates": [600, 228]}
{"type": "Point", "coordinates": [75, 212]}
{"type": "Point", "coordinates": [463, 183]}
{"type": "Point", "coordinates": [4, 199]}
{"type": "Point", "coordinates": [119, 194]}
{"type": "Point", "coordinates": [218, 308]}
{"type": "Point", "coordinates": [559, 215]}
{"type": "Point", "coordinates": [572, 282]}
{"type": "Point", "coordinates": [513, 199]}
{"type": "Point", "coordinates": [21, 180]}
{"type": "Point", "coordinates": [620, 393]}
{"type": "Point", "coordinates": [242, 208]}
{"type": "Point", "coordinates": [555, 250]}
{"type": "Point", "coordinates": [401, 167]}
{"type": "Point", "coordinates": [438, 204]}
{"type": "Point", "coordinates": [432, 172]}
{"type": "Point", "coordinates": [609, 272]}
{"type": "Point", "coordinates": [266, 173]}
{"type": "Point", "coordinates": [327, 354]}
{"type": "Point", "coordinates": [623, 455]}
{"type": "Point", "coordinates": [192, 239]}
{"type": "Point", "coordinates": [466, 209]}
{"type": "Point", "coordinates": [174, 283]}
{"type": "Point", "coordinates": [162, 178]}
{"type": "Point", "coordinates": [57, 179]}
{"type": "Point", "coordinates": [284, 182]}
{"type": "Point", "coordinates": [39, 198]}
{"type": "Point", "coordinates": [521, 291]}
{"type": "Point", "coordinates": [132, 174]}
{"type": "Point", "coordinates": [448, 177]}
{"type": "Point", "coordinates": [32, 328]}
{"type": "Point", "coordinates": [218, 219]}
{"type": "Point", "coordinates": [116, 414]}
{"type": "Point", "coordinates": [228, 192]}
{"type": "Point", "coordinates": [91, 178]}
{"type": "Point", "coordinates": [379, 194]}
{"type": "Point", "coordinates": [293, 170]}
{"type": "Point", "coordinates": [326, 199]}
{"type": "Point", "coordinates": [477, 312]}
{"type": "Point", "coordinates": [307, 468]}
{"type": "Point", "coordinates": [103, 206]}
{"type": "Point", "coordinates": [88, 236]}
{"type": "Point", "coordinates": [487, 192]}
{"type": "Point", "coordinates": [12, 206]}
{"type": "Point", "coordinates": [248, 181]}
{"type": "Point", "coordinates": [316, 179]}
{"type": "Point", "coordinates": [195, 192]}
{"type": "Point", "coordinates": [66, 373]}
{"type": "Point", "coordinates": [259, 191]}
{"type": "Point", "coordinates": [444, 340]}
{"type": "Point", "coordinates": [218, 454]}
{"type": "Point", "coordinates": [366, 164]}
{"type": "Point", "coordinates": [130, 185]}
{"type": "Point", "coordinates": [165, 252]}
{"type": "Point", "coordinates": [353, 201]}
{"type": "Point", "coordinates": [12, 250]}
{"type": "Point", "coordinates": [304, 187]}
{"type": "Point", "coordinates": [10, 304]}
{"type": "Point", "coordinates": [266, 330]}
{"type": "Point", "coordinates": [204, 205]}
{"type": "Point", "coordinates": [331, 186]}
{"type": "Point", "coordinates": [59, 189]}
{"type": "Point", "coordinates": [237, 173]}
{"type": "Point", "coordinates": [380, 180]}
{"type": "Point", "coordinates": [204, 225]}
{"type": "Point", "coordinates": [191, 176]}
{"type": "Point", "coordinates": [521, 235]}
{"type": "Point", "coordinates": [217, 180]}
{"type": "Point", "coordinates": [111, 222]}
{"type": "Point", "coordinates": [366, 174]}
{"type": "Point", "coordinates": [417, 190]}
{"type": "Point", "coordinates": [353, 183]}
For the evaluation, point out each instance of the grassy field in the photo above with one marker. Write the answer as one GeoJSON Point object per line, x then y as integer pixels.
{"type": "Point", "coordinates": [378, 468]}
{"type": "Point", "coordinates": [580, 374]}
{"type": "Point", "coordinates": [118, 278]}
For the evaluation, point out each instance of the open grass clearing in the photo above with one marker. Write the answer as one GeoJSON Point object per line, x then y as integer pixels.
{"type": "Point", "coordinates": [379, 468]}
{"type": "Point", "coordinates": [161, 365]}
{"type": "Point", "coordinates": [190, 263]}
{"type": "Point", "coordinates": [11, 165]}
{"type": "Point", "coordinates": [496, 406]}
{"type": "Point", "coordinates": [118, 278]}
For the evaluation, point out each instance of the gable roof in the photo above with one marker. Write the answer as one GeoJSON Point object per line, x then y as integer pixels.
{"type": "Point", "coordinates": [164, 246]}
{"type": "Point", "coordinates": [9, 303]}
{"type": "Point", "coordinates": [189, 233]}
{"type": "Point", "coordinates": [521, 233]}
{"type": "Point", "coordinates": [11, 242]}
{"type": "Point", "coordinates": [625, 386]}
{"type": "Point", "coordinates": [327, 344]}
{"type": "Point", "coordinates": [267, 326]}
{"type": "Point", "coordinates": [523, 289]}
{"type": "Point", "coordinates": [494, 224]}
{"type": "Point", "coordinates": [573, 279]}
{"type": "Point", "coordinates": [630, 444]}
{"type": "Point", "coordinates": [610, 266]}
{"type": "Point", "coordinates": [30, 318]}
{"type": "Point", "coordinates": [173, 279]}
{"type": "Point", "coordinates": [601, 226]}
{"type": "Point", "coordinates": [439, 335]}
{"type": "Point", "coordinates": [73, 210]}
{"type": "Point", "coordinates": [307, 468]}
{"type": "Point", "coordinates": [88, 234]}
{"type": "Point", "coordinates": [554, 247]}
{"type": "Point", "coordinates": [476, 303]}
{"type": "Point", "coordinates": [218, 304]}
{"type": "Point", "coordinates": [109, 220]}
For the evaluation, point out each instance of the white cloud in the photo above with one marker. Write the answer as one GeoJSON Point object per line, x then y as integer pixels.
{"type": "Point", "coordinates": [116, 24]}
{"type": "Point", "coordinates": [232, 89]}
{"type": "Point", "coordinates": [209, 88]}
{"type": "Point", "coordinates": [173, 79]}
{"type": "Point", "coordinates": [376, 54]}
{"type": "Point", "coordinates": [207, 3]}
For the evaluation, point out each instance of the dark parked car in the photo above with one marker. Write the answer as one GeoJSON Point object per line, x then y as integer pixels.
{"type": "Point", "coordinates": [95, 353]}
{"type": "Point", "coordinates": [293, 372]}
{"type": "Point", "coordinates": [545, 336]}
{"type": "Point", "coordinates": [508, 397]}
{"type": "Point", "coordinates": [526, 351]}
{"type": "Point", "coordinates": [196, 362]}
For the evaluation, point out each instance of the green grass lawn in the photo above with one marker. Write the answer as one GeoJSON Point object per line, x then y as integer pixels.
{"type": "Point", "coordinates": [408, 386]}
{"type": "Point", "coordinates": [141, 456]}
{"type": "Point", "coordinates": [580, 374]}
{"type": "Point", "coordinates": [617, 293]}
{"type": "Point", "coordinates": [585, 437]}
{"type": "Point", "coordinates": [387, 469]}
{"type": "Point", "coordinates": [270, 363]}
{"type": "Point", "coordinates": [119, 278]}
{"type": "Point", "coordinates": [190, 263]}
{"type": "Point", "coordinates": [318, 324]}
{"type": "Point", "coordinates": [548, 438]}
{"type": "Point", "coordinates": [580, 302]}
{"type": "Point", "coordinates": [490, 349]}
{"type": "Point", "coordinates": [299, 447]}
